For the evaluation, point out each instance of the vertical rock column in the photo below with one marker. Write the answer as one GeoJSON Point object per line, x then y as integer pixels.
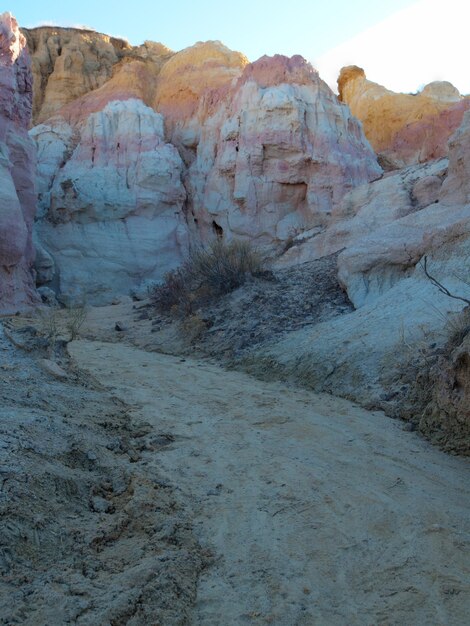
{"type": "Point", "coordinates": [17, 170]}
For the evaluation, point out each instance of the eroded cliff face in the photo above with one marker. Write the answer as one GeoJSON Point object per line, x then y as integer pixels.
{"type": "Point", "coordinates": [267, 150]}
{"type": "Point", "coordinates": [380, 354]}
{"type": "Point", "coordinates": [403, 129]}
{"type": "Point", "coordinates": [276, 155]}
{"type": "Point", "coordinates": [17, 170]}
{"type": "Point", "coordinates": [111, 197]}
{"type": "Point", "coordinates": [191, 85]}
{"type": "Point", "coordinates": [68, 63]}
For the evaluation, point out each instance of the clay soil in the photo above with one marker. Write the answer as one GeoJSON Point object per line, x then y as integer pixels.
{"type": "Point", "coordinates": [150, 488]}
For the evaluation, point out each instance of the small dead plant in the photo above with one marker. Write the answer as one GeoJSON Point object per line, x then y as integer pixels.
{"type": "Point", "coordinates": [74, 320]}
{"type": "Point", "coordinates": [49, 324]}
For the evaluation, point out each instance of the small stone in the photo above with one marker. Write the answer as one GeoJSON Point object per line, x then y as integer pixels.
{"type": "Point", "coordinates": [120, 327]}
{"type": "Point", "coordinates": [101, 505]}
{"type": "Point", "coordinates": [52, 368]}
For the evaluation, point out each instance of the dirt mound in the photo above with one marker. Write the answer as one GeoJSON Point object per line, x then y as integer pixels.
{"type": "Point", "coordinates": [261, 310]}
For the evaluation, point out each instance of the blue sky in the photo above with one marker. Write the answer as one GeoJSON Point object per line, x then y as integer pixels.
{"type": "Point", "coordinates": [254, 27]}
{"type": "Point", "coordinates": [402, 44]}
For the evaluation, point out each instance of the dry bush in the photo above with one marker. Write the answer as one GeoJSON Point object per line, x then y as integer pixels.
{"type": "Point", "coordinates": [458, 327]}
{"type": "Point", "coordinates": [74, 321]}
{"type": "Point", "coordinates": [207, 274]}
{"type": "Point", "coordinates": [174, 294]}
{"type": "Point", "coordinates": [223, 267]}
{"type": "Point", "coordinates": [49, 324]}
{"type": "Point", "coordinates": [56, 323]}
{"type": "Point", "coordinates": [429, 386]}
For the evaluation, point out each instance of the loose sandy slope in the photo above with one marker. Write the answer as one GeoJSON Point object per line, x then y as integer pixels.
{"type": "Point", "coordinates": [317, 511]}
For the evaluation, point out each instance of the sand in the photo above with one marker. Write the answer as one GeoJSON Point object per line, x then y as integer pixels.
{"type": "Point", "coordinates": [314, 510]}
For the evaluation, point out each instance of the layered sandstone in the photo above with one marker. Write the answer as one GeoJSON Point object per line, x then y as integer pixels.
{"type": "Point", "coordinates": [271, 150]}
{"type": "Point", "coordinates": [132, 79]}
{"type": "Point", "coordinates": [191, 85]}
{"type": "Point", "coordinates": [192, 73]}
{"type": "Point", "coordinates": [369, 266]}
{"type": "Point", "coordinates": [368, 208]}
{"type": "Point", "coordinates": [111, 201]}
{"type": "Point", "coordinates": [68, 63]}
{"type": "Point", "coordinates": [384, 231]}
{"type": "Point", "coordinates": [17, 164]}
{"type": "Point", "coordinates": [276, 155]}
{"type": "Point", "coordinates": [403, 128]}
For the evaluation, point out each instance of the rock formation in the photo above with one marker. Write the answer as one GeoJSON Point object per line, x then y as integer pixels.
{"type": "Point", "coordinates": [384, 230]}
{"type": "Point", "coordinates": [191, 83]}
{"type": "Point", "coordinates": [110, 197]}
{"type": "Point", "coordinates": [270, 150]}
{"type": "Point", "coordinates": [276, 155]}
{"type": "Point", "coordinates": [17, 162]}
{"type": "Point", "coordinates": [68, 63]}
{"type": "Point", "coordinates": [403, 128]}
{"type": "Point", "coordinates": [369, 207]}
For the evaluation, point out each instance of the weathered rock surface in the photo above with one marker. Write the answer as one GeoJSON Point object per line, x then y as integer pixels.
{"type": "Point", "coordinates": [369, 207]}
{"type": "Point", "coordinates": [271, 151]}
{"type": "Point", "coordinates": [399, 311]}
{"type": "Point", "coordinates": [386, 227]}
{"type": "Point", "coordinates": [374, 263]}
{"type": "Point", "coordinates": [17, 163]}
{"type": "Point", "coordinates": [111, 197]}
{"type": "Point", "coordinates": [191, 84]}
{"type": "Point", "coordinates": [67, 63]}
{"type": "Point", "coordinates": [456, 187]}
{"type": "Point", "coordinates": [276, 155]}
{"type": "Point", "coordinates": [132, 79]}
{"type": "Point", "coordinates": [403, 128]}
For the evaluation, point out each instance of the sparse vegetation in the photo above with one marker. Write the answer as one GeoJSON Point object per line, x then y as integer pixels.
{"type": "Point", "coordinates": [434, 378]}
{"type": "Point", "coordinates": [207, 274]}
{"type": "Point", "coordinates": [54, 323]}
{"type": "Point", "coordinates": [49, 324]}
{"type": "Point", "coordinates": [74, 321]}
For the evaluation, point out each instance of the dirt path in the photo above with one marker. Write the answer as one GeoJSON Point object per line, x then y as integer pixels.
{"type": "Point", "coordinates": [316, 511]}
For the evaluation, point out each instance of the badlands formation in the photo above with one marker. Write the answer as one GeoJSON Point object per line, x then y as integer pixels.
{"type": "Point", "coordinates": [144, 154]}
{"type": "Point", "coordinates": [116, 163]}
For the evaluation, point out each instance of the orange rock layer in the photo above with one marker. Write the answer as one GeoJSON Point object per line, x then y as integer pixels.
{"type": "Point", "coordinates": [403, 128]}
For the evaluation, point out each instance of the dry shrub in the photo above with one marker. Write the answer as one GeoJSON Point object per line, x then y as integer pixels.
{"type": "Point", "coordinates": [174, 294]}
{"type": "Point", "coordinates": [48, 320]}
{"type": "Point", "coordinates": [458, 327]}
{"type": "Point", "coordinates": [223, 267]}
{"type": "Point", "coordinates": [207, 274]}
{"type": "Point", "coordinates": [74, 321]}
{"type": "Point", "coordinates": [434, 384]}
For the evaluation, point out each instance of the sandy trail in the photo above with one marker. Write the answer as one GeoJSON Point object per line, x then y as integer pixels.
{"type": "Point", "coordinates": [317, 511]}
